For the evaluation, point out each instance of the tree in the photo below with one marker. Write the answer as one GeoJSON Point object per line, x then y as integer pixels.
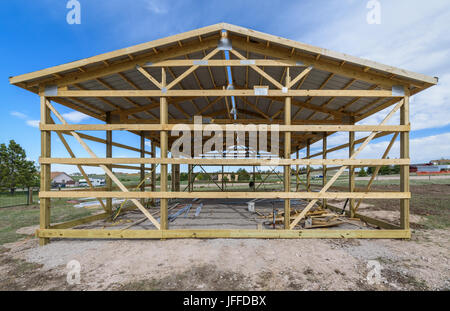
{"type": "Point", "coordinates": [362, 172]}
{"type": "Point", "coordinates": [395, 169]}
{"type": "Point", "coordinates": [243, 175]}
{"type": "Point", "coordinates": [385, 170]}
{"type": "Point", "coordinates": [15, 170]}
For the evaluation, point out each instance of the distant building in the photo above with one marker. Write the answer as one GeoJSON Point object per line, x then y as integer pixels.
{"type": "Point", "coordinates": [61, 179]}
{"type": "Point", "coordinates": [429, 169]}
{"type": "Point", "coordinates": [227, 176]}
{"type": "Point", "coordinates": [440, 162]}
{"type": "Point", "coordinates": [96, 182]}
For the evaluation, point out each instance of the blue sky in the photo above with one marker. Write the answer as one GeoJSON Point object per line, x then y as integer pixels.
{"type": "Point", "coordinates": [412, 35]}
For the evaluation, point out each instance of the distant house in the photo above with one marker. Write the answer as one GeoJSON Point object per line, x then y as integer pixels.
{"type": "Point", "coordinates": [61, 179]}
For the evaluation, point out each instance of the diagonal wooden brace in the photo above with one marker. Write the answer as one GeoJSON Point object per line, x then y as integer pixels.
{"type": "Point", "coordinates": [342, 169]}
{"type": "Point", "coordinates": [190, 70]}
{"type": "Point", "coordinates": [105, 168]}
{"type": "Point", "coordinates": [260, 71]}
{"type": "Point", "coordinates": [377, 170]}
{"type": "Point", "coordinates": [80, 168]}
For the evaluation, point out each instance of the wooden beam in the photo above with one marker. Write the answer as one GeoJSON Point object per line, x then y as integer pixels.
{"type": "Point", "coordinates": [287, 154]}
{"type": "Point", "coordinates": [46, 149]}
{"type": "Point", "coordinates": [215, 93]}
{"type": "Point", "coordinates": [226, 161]}
{"type": "Point", "coordinates": [324, 167]}
{"type": "Point", "coordinates": [404, 171]}
{"type": "Point", "coordinates": [108, 180]}
{"type": "Point", "coordinates": [224, 233]}
{"type": "Point", "coordinates": [230, 127]}
{"type": "Point", "coordinates": [164, 118]}
{"type": "Point", "coordinates": [226, 195]}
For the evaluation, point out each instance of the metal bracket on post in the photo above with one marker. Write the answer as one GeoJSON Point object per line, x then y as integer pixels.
{"type": "Point", "coordinates": [398, 90]}
{"type": "Point", "coordinates": [247, 62]}
{"type": "Point", "coordinates": [261, 90]}
{"type": "Point", "coordinates": [51, 90]}
{"type": "Point", "coordinates": [201, 62]}
{"type": "Point", "coordinates": [224, 43]}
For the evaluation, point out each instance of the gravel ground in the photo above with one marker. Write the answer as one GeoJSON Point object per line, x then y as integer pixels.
{"type": "Point", "coordinates": [225, 264]}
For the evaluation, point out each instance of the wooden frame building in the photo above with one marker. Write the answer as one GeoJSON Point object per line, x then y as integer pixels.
{"type": "Point", "coordinates": [230, 76]}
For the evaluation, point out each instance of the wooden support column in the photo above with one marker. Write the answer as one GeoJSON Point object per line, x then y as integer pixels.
{"type": "Point", "coordinates": [287, 154]}
{"type": "Point", "coordinates": [164, 119]}
{"type": "Point", "coordinates": [404, 169]}
{"type": "Point", "coordinates": [297, 175]}
{"type": "Point", "coordinates": [351, 172]}
{"type": "Point", "coordinates": [177, 177]}
{"type": "Point", "coordinates": [142, 170]}
{"type": "Point", "coordinates": [153, 180]}
{"type": "Point", "coordinates": [44, 215]}
{"type": "Point", "coordinates": [308, 167]}
{"type": "Point", "coordinates": [190, 181]}
{"type": "Point", "coordinates": [108, 180]}
{"type": "Point", "coordinates": [324, 167]}
{"type": "Point", "coordinates": [223, 179]}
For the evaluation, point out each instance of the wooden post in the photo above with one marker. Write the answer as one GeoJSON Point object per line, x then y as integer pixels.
{"type": "Point", "coordinates": [45, 170]}
{"type": "Point", "coordinates": [142, 170]}
{"type": "Point", "coordinates": [253, 178]}
{"type": "Point", "coordinates": [324, 167]}
{"type": "Point", "coordinates": [287, 154]}
{"type": "Point", "coordinates": [223, 180]}
{"type": "Point", "coordinates": [404, 170]}
{"type": "Point", "coordinates": [108, 180]}
{"type": "Point", "coordinates": [153, 181]}
{"type": "Point", "coordinates": [190, 168]}
{"type": "Point", "coordinates": [351, 172]}
{"type": "Point", "coordinates": [308, 167]}
{"type": "Point", "coordinates": [177, 177]}
{"type": "Point", "coordinates": [297, 175]}
{"type": "Point", "coordinates": [164, 119]}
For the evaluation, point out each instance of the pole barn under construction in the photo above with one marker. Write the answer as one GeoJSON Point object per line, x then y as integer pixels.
{"type": "Point", "coordinates": [233, 80]}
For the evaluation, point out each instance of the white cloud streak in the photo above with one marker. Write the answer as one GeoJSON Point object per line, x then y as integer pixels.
{"type": "Point", "coordinates": [33, 123]}
{"type": "Point", "coordinates": [75, 117]}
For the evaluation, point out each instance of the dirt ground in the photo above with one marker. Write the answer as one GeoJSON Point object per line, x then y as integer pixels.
{"type": "Point", "coordinates": [421, 263]}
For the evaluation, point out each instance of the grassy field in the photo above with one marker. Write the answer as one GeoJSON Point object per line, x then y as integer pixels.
{"type": "Point", "coordinates": [14, 218]}
{"type": "Point", "coordinates": [19, 198]}
{"type": "Point", "coordinates": [430, 199]}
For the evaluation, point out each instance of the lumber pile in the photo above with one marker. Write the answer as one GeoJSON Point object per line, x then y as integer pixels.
{"type": "Point", "coordinates": [314, 219]}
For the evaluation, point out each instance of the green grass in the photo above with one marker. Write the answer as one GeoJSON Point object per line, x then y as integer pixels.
{"type": "Point", "coordinates": [19, 198]}
{"type": "Point", "coordinates": [14, 218]}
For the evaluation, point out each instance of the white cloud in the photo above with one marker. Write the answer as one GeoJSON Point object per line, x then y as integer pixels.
{"type": "Point", "coordinates": [33, 123]}
{"type": "Point", "coordinates": [418, 41]}
{"type": "Point", "coordinates": [75, 117]}
{"type": "Point", "coordinates": [422, 150]}
{"type": "Point", "coordinates": [19, 115]}
{"type": "Point", "coordinates": [157, 6]}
